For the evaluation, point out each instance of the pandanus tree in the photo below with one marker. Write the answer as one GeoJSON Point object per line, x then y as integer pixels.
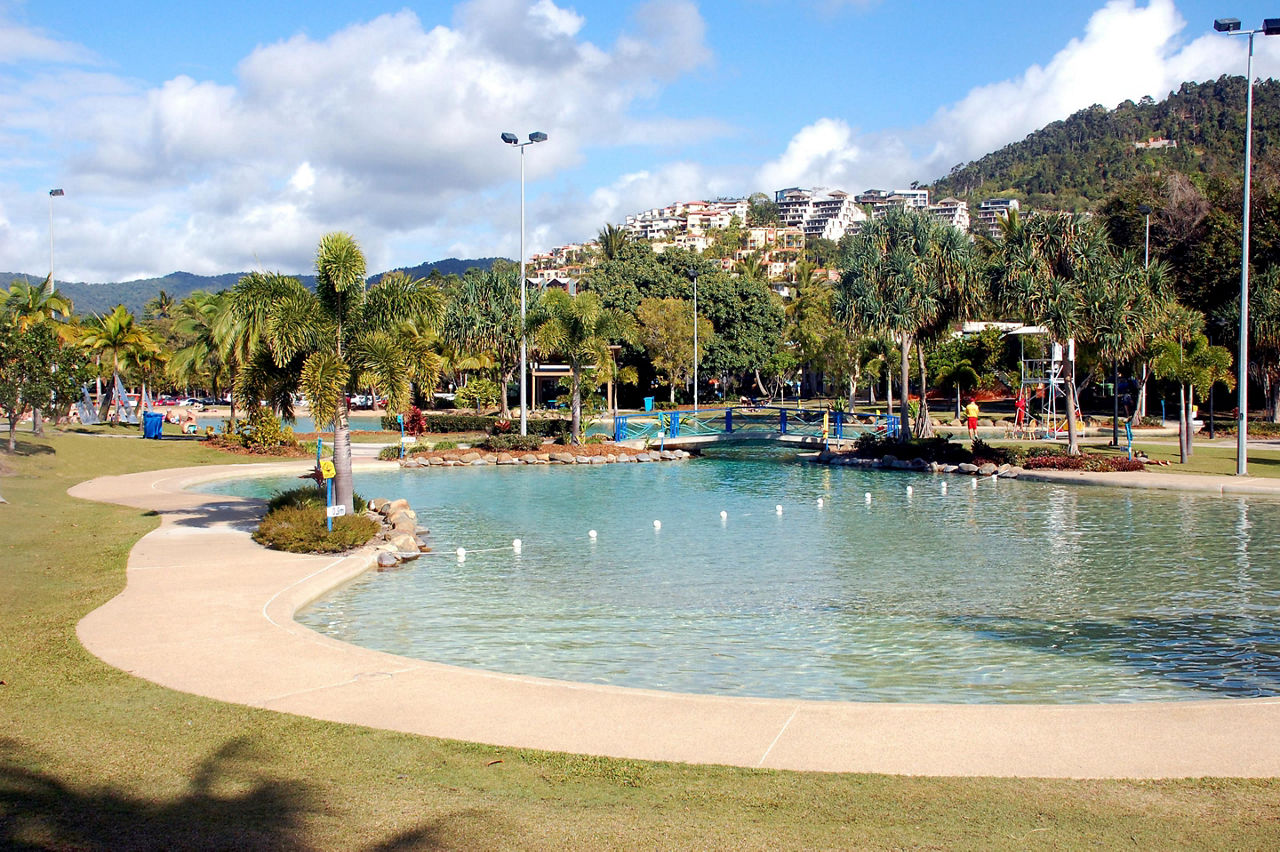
{"type": "Point", "coordinates": [340, 337]}
{"type": "Point", "coordinates": [1043, 270]}
{"type": "Point", "coordinates": [903, 276]}
{"type": "Point", "coordinates": [1125, 305]}
{"type": "Point", "coordinates": [579, 329]}
{"type": "Point", "coordinates": [483, 321]}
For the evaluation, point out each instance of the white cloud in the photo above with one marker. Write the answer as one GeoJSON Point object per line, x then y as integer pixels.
{"type": "Point", "coordinates": [1127, 52]}
{"type": "Point", "coordinates": [395, 126]}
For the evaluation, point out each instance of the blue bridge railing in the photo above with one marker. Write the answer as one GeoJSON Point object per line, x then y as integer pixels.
{"type": "Point", "coordinates": [752, 421]}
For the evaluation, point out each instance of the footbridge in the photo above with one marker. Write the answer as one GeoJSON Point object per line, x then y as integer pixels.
{"type": "Point", "coordinates": [750, 423]}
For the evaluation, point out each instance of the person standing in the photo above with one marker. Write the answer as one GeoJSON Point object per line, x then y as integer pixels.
{"type": "Point", "coordinates": [1019, 410]}
{"type": "Point", "coordinates": [971, 412]}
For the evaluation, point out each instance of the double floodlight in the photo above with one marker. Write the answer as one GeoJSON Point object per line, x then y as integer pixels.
{"type": "Point", "coordinates": [512, 139]}
{"type": "Point", "coordinates": [1270, 26]}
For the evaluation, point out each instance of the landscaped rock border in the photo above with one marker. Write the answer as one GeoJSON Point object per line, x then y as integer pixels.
{"type": "Point", "coordinates": [401, 539]}
{"type": "Point", "coordinates": [1006, 471]}
{"type": "Point", "coordinates": [588, 455]}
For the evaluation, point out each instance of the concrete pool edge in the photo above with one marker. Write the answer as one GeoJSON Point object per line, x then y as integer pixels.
{"type": "Point", "coordinates": [207, 611]}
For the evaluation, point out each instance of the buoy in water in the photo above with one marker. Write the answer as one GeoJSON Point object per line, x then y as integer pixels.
{"type": "Point", "coordinates": [657, 525]}
{"type": "Point", "coordinates": [778, 509]}
{"type": "Point", "coordinates": [975, 485]}
{"type": "Point", "coordinates": [462, 554]}
{"type": "Point", "coordinates": [819, 502]}
{"type": "Point", "coordinates": [591, 534]}
{"type": "Point", "coordinates": [909, 490]}
{"type": "Point", "coordinates": [723, 515]}
{"type": "Point", "coordinates": [516, 544]}
{"type": "Point", "coordinates": [867, 497]}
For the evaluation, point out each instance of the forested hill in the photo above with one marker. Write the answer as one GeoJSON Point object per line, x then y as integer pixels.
{"type": "Point", "coordinates": [100, 298]}
{"type": "Point", "coordinates": [1075, 163]}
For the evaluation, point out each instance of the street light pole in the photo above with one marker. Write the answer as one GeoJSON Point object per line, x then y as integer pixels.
{"type": "Point", "coordinates": [694, 273]}
{"type": "Point", "coordinates": [512, 139]}
{"type": "Point", "coordinates": [53, 193]}
{"type": "Point", "coordinates": [1270, 26]}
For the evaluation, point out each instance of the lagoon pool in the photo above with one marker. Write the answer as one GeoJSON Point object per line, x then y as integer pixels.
{"type": "Point", "coordinates": [1010, 592]}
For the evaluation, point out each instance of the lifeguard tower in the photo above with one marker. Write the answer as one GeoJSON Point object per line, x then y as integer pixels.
{"type": "Point", "coordinates": [1041, 381]}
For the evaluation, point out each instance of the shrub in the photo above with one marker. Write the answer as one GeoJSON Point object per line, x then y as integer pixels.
{"type": "Point", "coordinates": [594, 439]}
{"type": "Point", "coordinates": [438, 423]}
{"type": "Point", "coordinates": [302, 529]}
{"type": "Point", "coordinates": [413, 422]}
{"type": "Point", "coordinates": [550, 427]}
{"type": "Point", "coordinates": [477, 394]}
{"type": "Point", "coordinates": [665, 405]}
{"type": "Point", "coordinates": [501, 426]}
{"type": "Point", "coordinates": [308, 496]}
{"type": "Point", "coordinates": [982, 451]}
{"type": "Point", "coordinates": [1085, 461]}
{"type": "Point", "coordinates": [445, 445]}
{"type": "Point", "coordinates": [499, 443]}
{"type": "Point", "coordinates": [388, 453]}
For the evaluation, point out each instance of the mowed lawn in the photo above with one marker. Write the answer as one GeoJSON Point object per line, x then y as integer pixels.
{"type": "Point", "coordinates": [93, 758]}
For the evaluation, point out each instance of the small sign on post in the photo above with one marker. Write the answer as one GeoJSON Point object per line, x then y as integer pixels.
{"type": "Point", "coordinates": [336, 511]}
{"type": "Point", "coordinates": [326, 469]}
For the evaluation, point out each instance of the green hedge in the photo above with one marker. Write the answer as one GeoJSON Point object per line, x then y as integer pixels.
{"type": "Point", "coordinates": [443, 423]}
{"type": "Point", "coordinates": [500, 443]}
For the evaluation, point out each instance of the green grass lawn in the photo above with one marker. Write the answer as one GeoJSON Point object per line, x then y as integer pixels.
{"type": "Point", "coordinates": [93, 758]}
{"type": "Point", "coordinates": [1217, 460]}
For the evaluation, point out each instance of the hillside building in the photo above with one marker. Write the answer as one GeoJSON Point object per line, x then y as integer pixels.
{"type": "Point", "coordinates": [990, 213]}
{"type": "Point", "coordinates": [819, 212]}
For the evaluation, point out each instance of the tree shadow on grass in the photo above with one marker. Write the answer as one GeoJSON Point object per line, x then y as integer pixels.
{"type": "Point", "coordinates": [25, 448]}
{"type": "Point", "coordinates": [231, 802]}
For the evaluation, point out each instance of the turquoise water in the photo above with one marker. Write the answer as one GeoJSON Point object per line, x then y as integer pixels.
{"type": "Point", "coordinates": [1013, 592]}
{"type": "Point", "coordinates": [359, 423]}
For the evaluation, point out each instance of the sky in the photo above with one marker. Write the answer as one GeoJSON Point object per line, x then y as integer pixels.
{"type": "Point", "coordinates": [230, 136]}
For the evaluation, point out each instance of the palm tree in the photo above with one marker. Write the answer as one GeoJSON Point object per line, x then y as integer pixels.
{"type": "Point", "coordinates": [338, 338]}
{"type": "Point", "coordinates": [904, 275]}
{"type": "Point", "coordinates": [483, 320]}
{"type": "Point", "coordinates": [160, 306]}
{"type": "Point", "coordinates": [579, 329]}
{"type": "Point", "coordinates": [119, 338]}
{"type": "Point", "coordinates": [612, 239]}
{"type": "Point", "coordinates": [1123, 309]}
{"type": "Point", "coordinates": [1183, 355]}
{"type": "Point", "coordinates": [960, 374]}
{"type": "Point", "coordinates": [1043, 270]}
{"type": "Point", "coordinates": [751, 266]}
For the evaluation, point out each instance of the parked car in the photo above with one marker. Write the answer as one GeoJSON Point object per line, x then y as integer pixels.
{"type": "Point", "coordinates": [192, 402]}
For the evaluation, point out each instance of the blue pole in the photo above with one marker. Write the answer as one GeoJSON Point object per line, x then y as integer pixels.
{"type": "Point", "coordinates": [319, 445]}
{"type": "Point", "coordinates": [782, 422]}
{"type": "Point", "coordinates": [400, 420]}
{"type": "Point", "coordinates": [728, 421]}
{"type": "Point", "coordinates": [328, 521]}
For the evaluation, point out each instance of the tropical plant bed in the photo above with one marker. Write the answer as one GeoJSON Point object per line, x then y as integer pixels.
{"type": "Point", "coordinates": [231, 445]}
{"type": "Point", "coordinates": [295, 522]}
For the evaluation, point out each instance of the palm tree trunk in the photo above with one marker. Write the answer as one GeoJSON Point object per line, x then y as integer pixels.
{"type": "Point", "coordinates": [924, 423]}
{"type": "Point", "coordinates": [1191, 416]}
{"type": "Point", "coordinates": [853, 392]}
{"type": "Point", "coordinates": [343, 487]}
{"type": "Point", "coordinates": [1073, 437]}
{"type": "Point", "coordinates": [904, 391]}
{"type": "Point", "coordinates": [575, 423]}
{"type": "Point", "coordinates": [1183, 425]}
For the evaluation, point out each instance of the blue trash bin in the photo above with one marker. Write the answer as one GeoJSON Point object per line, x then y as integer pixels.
{"type": "Point", "coordinates": [152, 424]}
{"type": "Point", "coordinates": [648, 403]}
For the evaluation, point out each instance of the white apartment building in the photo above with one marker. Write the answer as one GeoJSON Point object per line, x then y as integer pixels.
{"type": "Point", "coordinates": [953, 212]}
{"type": "Point", "coordinates": [662, 224]}
{"type": "Point", "coordinates": [990, 213]}
{"type": "Point", "coordinates": [882, 201]}
{"type": "Point", "coordinates": [819, 212]}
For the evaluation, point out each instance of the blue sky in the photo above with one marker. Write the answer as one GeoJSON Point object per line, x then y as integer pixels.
{"type": "Point", "coordinates": [216, 137]}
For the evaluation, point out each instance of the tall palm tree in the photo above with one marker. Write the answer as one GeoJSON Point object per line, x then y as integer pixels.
{"type": "Point", "coordinates": [901, 275]}
{"type": "Point", "coordinates": [160, 306]}
{"type": "Point", "coordinates": [336, 339]}
{"type": "Point", "coordinates": [579, 329]}
{"type": "Point", "coordinates": [960, 374]}
{"type": "Point", "coordinates": [118, 337]}
{"type": "Point", "coordinates": [751, 266]}
{"type": "Point", "coordinates": [1043, 270]}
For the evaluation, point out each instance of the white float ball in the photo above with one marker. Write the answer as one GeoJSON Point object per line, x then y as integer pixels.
{"type": "Point", "coordinates": [516, 544]}
{"type": "Point", "coordinates": [819, 502]}
{"type": "Point", "coordinates": [591, 534]}
{"type": "Point", "coordinates": [723, 514]}
{"type": "Point", "coordinates": [778, 509]}
{"type": "Point", "coordinates": [657, 525]}
{"type": "Point", "coordinates": [462, 553]}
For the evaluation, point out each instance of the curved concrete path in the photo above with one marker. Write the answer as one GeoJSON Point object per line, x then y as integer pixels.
{"type": "Point", "coordinates": [209, 612]}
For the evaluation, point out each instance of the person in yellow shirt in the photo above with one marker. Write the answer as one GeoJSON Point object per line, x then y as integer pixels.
{"type": "Point", "coordinates": [971, 412]}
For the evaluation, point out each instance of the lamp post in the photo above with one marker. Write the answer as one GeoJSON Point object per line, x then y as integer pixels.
{"type": "Point", "coordinates": [53, 193]}
{"type": "Point", "coordinates": [512, 139]}
{"type": "Point", "coordinates": [694, 274]}
{"type": "Point", "coordinates": [1270, 26]}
